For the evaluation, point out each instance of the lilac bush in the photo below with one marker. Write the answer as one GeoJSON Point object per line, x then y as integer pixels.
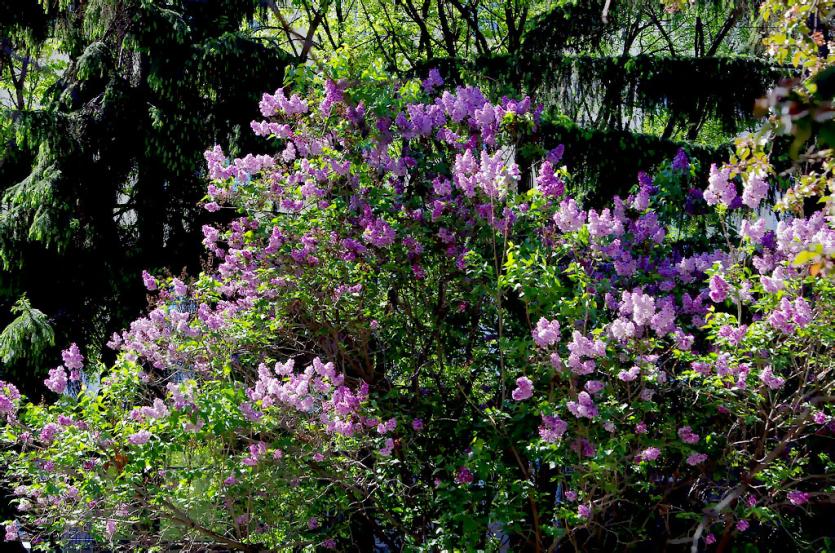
{"type": "Point", "coordinates": [405, 337]}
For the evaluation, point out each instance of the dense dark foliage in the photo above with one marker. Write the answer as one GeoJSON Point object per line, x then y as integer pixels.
{"type": "Point", "coordinates": [102, 175]}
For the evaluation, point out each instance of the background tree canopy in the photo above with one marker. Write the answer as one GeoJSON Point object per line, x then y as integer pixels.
{"type": "Point", "coordinates": [109, 104]}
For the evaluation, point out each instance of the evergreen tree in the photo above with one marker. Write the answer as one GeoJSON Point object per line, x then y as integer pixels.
{"type": "Point", "coordinates": [103, 167]}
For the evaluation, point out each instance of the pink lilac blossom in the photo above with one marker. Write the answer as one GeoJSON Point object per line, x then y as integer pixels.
{"type": "Point", "coordinates": [733, 335]}
{"type": "Point", "coordinates": [179, 287]}
{"type": "Point", "coordinates": [552, 428]}
{"type": "Point", "coordinates": [797, 497]}
{"type": "Point", "coordinates": [720, 190]}
{"type": "Point", "coordinates": [630, 375]}
{"type": "Point", "coordinates": [569, 217]}
{"type": "Point", "coordinates": [379, 233]}
{"type": "Point", "coordinates": [546, 333]}
{"type": "Point", "coordinates": [9, 394]}
{"type": "Point", "coordinates": [139, 438]}
{"type": "Point", "coordinates": [523, 390]}
{"type": "Point", "coordinates": [803, 314]}
{"type": "Point", "coordinates": [581, 347]}
{"type": "Point", "coordinates": [157, 411]}
{"type": "Point", "coordinates": [48, 432]}
{"type": "Point", "coordinates": [442, 186]}
{"type": "Point", "coordinates": [548, 182]}
{"type": "Point", "coordinates": [604, 224]}
{"type": "Point", "coordinates": [639, 305]}
{"type": "Point", "coordinates": [110, 528]}
{"type": "Point", "coordinates": [782, 318]}
{"type": "Point", "coordinates": [386, 427]}
{"type": "Point", "coordinates": [464, 476]}
{"type": "Point", "coordinates": [333, 94]}
{"type": "Point", "coordinates": [663, 322]}
{"type": "Point", "coordinates": [594, 386]}
{"type": "Point", "coordinates": [622, 329]}
{"type": "Point", "coordinates": [753, 231]}
{"type": "Point", "coordinates": [57, 381]}
{"type": "Point", "coordinates": [775, 282]}
{"type": "Point", "coordinates": [768, 378]}
{"type": "Point", "coordinates": [719, 289]}
{"type": "Point", "coordinates": [754, 190]}
{"type": "Point", "coordinates": [649, 454]}
{"type": "Point", "coordinates": [432, 81]}
{"type": "Point", "coordinates": [583, 448]}
{"type": "Point", "coordinates": [686, 434]}
{"type": "Point", "coordinates": [149, 281]}
{"type": "Point", "coordinates": [583, 407]}
{"type": "Point", "coordinates": [684, 341]}
{"type": "Point", "coordinates": [256, 450]}
{"type": "Point", "coordinates": [722, 365]}
{"type": "Point", "coordinates": [272, 104]}
{"type": "Point", "coordinates": [387, 449]}
{"type": "Point", "coordinates": [11, 532]}
{"type": "Point", "coordinates": [72, 357]}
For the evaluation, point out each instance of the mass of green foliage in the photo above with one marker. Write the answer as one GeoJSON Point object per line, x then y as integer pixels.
{"type": "Point", "coordinates": [451, 417]}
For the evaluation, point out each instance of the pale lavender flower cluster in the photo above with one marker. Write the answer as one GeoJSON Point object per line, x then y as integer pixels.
{"type": "Point", "coordinates": [584, 407]}
{"type": "Point", "coordinates": [433, 80]}
{"type": "Point", "coordinates": [256, 451]}
{"type": "Point", "coordinates": [379, 233]}
{"type": "Point", "coordinates": [770, 379]}
{"type": "Point", "coordinates": [719, 289]}
{"type": "Point", "coordinates": [754, 191]}
{"type": "Point", "coordinates": [581, 348]}
{"type": "Point", "coordinates": [546, 333]}
{"type": "Point", "coordinates": [319, 388]}
{"type": "Point", "coordinates": [548, 182]}
{"type": "Point", "coordinates": [796, 497]}
{"type": "Point", "coordinates": [552, 428]}
{"type": "Point", "coordinates": [9, 395]}
{"type": "Point", "coordinates": [790, 314]}
{"type": "Point", "coordinates": [569, 217]}
{"type": "Point", "coordinates": [57, 381]}
{"type": "Point", "coordinates": [271, 104]}
{"type": "Point", "coordinates": [139, 438]}
{"type": "Point", "coordinates": [629, 375]}
{"type": "Point", "coordinates": [649, 454]}
{"type": "Point", "coordinates": [720, 189]}
{"type": "Point", "coordinates": [686, 434]}
{"type": "Point", "coordinates": [523, 390]}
